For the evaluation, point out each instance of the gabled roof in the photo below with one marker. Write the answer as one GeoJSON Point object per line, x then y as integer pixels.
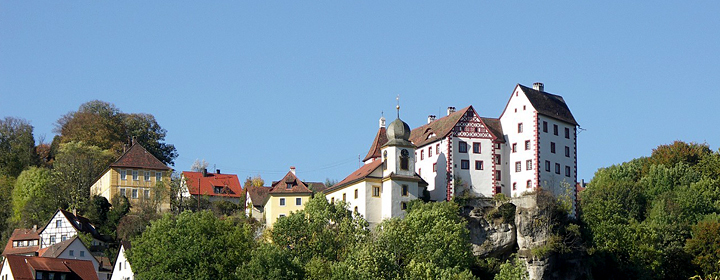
{"type": "Point", "coordinates": [495, 128]}
{"type": "Point", "coordinates": [316, 186]}
{"type": "Point", "coordinates": [78, 222]}
{"type": "Point", "coordinates": [359, 174]}
{"type": "Point", "coordinates": [258, 195]}
{"type": "Point", "coordinates": [549, 104]}
{"type": "Point", "coordinates": [20, 235]}
{"type": "Point", "coordinates": [437, 129]}
{"type": "Point", "coordinates": [57, 249]}
{"type": "Point", "coordinates": [228, 182]}
{"type": "Point", "coordinates": [138, 157]}
{"type": "Point", "coordinates": [297, 186]}
{"type": "Point", "coordinates": [23, 267]}
{"type": "Point", "coordinates": [380, 140]}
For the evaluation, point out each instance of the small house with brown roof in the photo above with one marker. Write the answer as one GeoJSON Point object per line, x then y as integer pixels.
{"type": "Point", "coordinates": [23, 242]}
{"type": "Point", "coordinates": [75, 249]}
{"type": "Point", "coordinates": [137, 175]}
{"type": "Point", "coordinates": [29, 268]}
{"type": "Point", "coordinates": [213, 186]}
{"type": "Point", "coordinates": [286, 196]}
{"type": "Point", "coordinates": [255, 200]}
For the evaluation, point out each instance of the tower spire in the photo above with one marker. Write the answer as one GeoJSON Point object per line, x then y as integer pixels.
{"type": "Point", "coordinates": [398, 105]}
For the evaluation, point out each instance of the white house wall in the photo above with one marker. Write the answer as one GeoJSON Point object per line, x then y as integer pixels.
{"type": "Point", "coordinates": [80, 252]}
{"type": "Point", "coordinates": [520, 111]}
{"type": "Point", "coordinates": [6, 272]}
{"type": "Point", "coordinates": [122, 269]}
{"type": "Point", "coordinates": [550, 179]}
{"type": "Point", "coordinates": [479, 182]}
{"type": "Point", "coordinates": [437, 180]}
{"type": "Point", "coordinates": [66, 229]}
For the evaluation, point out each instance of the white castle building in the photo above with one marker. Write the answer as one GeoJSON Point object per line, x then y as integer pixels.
{"type": "Point", "coordinates": [531, 145]}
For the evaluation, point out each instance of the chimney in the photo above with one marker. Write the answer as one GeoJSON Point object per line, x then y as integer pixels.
{"type": "Point", "coordinates": [217, 171]}
{"type": "Point", "coordinates": [382, 122]}
{"type": "Point", "coordinates": [133, 140]}
{"type": "Point", "coordinates": [539, 86]}
{"type": "Point", "coordinates": [204, 172]}
{"type": "Point", "coordinates": [451, 110]}
{"type": "Point", "coordinates": [431, 118]}
{"type": "Point", "coordinates": [292, 169]}
{"type": "Point", "coordinates": [34, 228]}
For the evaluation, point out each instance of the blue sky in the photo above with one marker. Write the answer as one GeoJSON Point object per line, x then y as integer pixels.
{"type": "Point", "coordinates": [254, 87]}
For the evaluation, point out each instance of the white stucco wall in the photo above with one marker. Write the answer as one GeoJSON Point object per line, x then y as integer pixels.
{"type": "Point", "coordinates": [66, 229]}
{"type": "Point", "coordinates": [550, 179]}
{"type": "Point", "coordinates": [122, 269]}
{"type": "Point", "coordinates": [519, 110]}
{"type": "Point", "coordinates": [437, 184]}
{"type": "Point", "coordinates": [6, 272]}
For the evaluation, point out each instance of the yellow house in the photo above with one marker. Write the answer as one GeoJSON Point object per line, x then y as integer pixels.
{"type": "Point", "coordinates": [286, 196]}
{"type": "Point", "coordinates": [136, 175]}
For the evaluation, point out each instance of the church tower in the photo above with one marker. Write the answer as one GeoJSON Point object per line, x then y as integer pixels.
{"type": "Point", "coordinates": [398, 153]}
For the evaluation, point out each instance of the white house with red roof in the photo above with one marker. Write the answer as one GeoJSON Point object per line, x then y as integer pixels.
{"type": "Point", "coordinates": [383, 187]}
{"type": "Point", "coordinates": [213, 186]}
{"type": "Point", "coordinates": [28, 267]}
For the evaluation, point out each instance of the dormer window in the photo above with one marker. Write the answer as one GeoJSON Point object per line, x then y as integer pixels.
{"type": "Point", "coordinates": [288, 186]}
{"type": "Point", "coordinates": [218, 190]}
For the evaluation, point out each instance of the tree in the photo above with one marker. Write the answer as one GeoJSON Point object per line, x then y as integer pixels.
{"type": "Point", "coordinates": [191, 245]}
{"type": "Point", "coordinates": [321, 230]}
{"type": "Point", "coordinates": [199, 165]}
{"type": "Point", "coordinates": [270, 262]}
{"type": "Point", "coordinates": [145, 129]}
{"type": "Point", "coordinates": [17, 146]}
{"type": "Point", "coordinates": [34, 199]}
{"type": "Point", "coordinates": [76, 167]}
{"type": "Point", "coordinates": [705, 245]}
{"type": "Point", "coordinates": [255, 181]}
{"type": "Point", "coordinates": [512, 269]}
{"type": "Point", "coordinates": [6, 188]}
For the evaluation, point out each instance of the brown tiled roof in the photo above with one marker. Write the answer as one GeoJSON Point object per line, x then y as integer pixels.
{"type": "Point", "coordinates": [440, 128]}
{"type": "Point", "coordinates": [549, 104]}
{"type": "Point", "coordinates": [19, 235]}
{"type": "Point", "coordinates": [362, 173]}
{"type": "Point", "coordinates": [316, 186]}
{"type": "Point", "coordinates": [229, 183]}
{"type": "Point", "coordinates": [495, 128]}
{"type": "Point", "coordinates": [23, 267]}
{"type": "Point", "coordinates": [55, 250]}
{"type": "Point", "coordinates": [138, 157]}
{"type": "Point", "coordinates": [298, 187]}
{"type": "Point", "coordinates": [380, 140]}
{"type": "Point", "coordinates": [258, 195]}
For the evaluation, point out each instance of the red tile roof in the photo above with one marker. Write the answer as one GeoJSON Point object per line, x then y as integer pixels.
{"type": "Point", "coordinates": [361, 173]}
{"type": "Point", "coordinates": [380, 140]}
{"type": "Point", "coordinates": [138, 157]}
{"type": "Point", "coordinates": [23, 267]}
{"type": "Point", "coordinates": [20, 235]}
{"type": "Point", "coordinates": [229, 184]}
{"type": "Point", "coordinates": [258, 195]}
{"type": "Point", "coordinates": [297, 186]}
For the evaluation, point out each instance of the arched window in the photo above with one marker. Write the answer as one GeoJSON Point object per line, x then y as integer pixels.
{"type": "Point", "coordinates": [404, 159]}
{"type": "Point", "coordinates": [384, 164]}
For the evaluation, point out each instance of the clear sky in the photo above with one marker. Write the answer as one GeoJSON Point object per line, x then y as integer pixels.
{"type": "Point", "coordinates": [254, 87]}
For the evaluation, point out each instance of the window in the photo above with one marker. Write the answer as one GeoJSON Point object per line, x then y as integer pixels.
{"type": "Point", "coordinates": [476, 148]}
{"type": "Point", "coordinates": [430, 151]}
{"type": "Point", "coordinates": [528, 164]}
{"type": "Point", "coordinates": [403, 205]}
{"type": "Point", "coordinates": [123, 174]}
{"type": "Point", "coordinates": [557, 168]}
{"type": "Point", "coordinates": [58, 223]}
{"type": "Point", "coordinates": [434, 167]}
{"type": "Point", "coordinates": [437, 149]}
{"type": "Point", "coordinates": [567, 133]}
{"type": "Point", "coordinates": [520, 128]}
{"type": "Point", "coordinates": [567, 171]}
{"type": "Point", "coordinates": [552, 147]}
{"type": "Point", "coordinates": [122, 192]}
{"type": "Point", "coordinates": [39, 275]}
{"type": "Point", "coordinates": [298, 201]}
{"type": "Point", "coordinates": [281, 216]}
{"type": "Point", "coordinates": [356, 210]}
{"type": "Point", "coordinates": [497, 146]}
{"type": "Point", "coordinates": [419, 171]}
{"type": "Point", "coordinates": [404, 190]}
{"type": "Point", "coordinates": [555, 129]}
{"type": "Point", "coordinates": [514, 186]}
{"type": "Point", "coordinates": [384, 164]}
{"type": "Point", "coordinates": [146, 194]}
{"type": "Point", "coordinates": [134, 193]}
{"type": "Point", "coordinates": [545, 126]}
{"type": "Point", "coordinates": [547, 165]}
{"type": "Point", "coordinates": [332, 200]}
{"type": "Point", "coordinates": [158, 176]}
{"type": "Point", "coordinates": [524, 107]}
{"type": "Point", "coordinates": [404, 159]}
{"type": "Point", "coordinates": [464, 164]}
{"type": "Point", "coordinates": [497, 159]}
{"type": "Point", "coordinates": [344, 197]}
{"type": "Point", "coordinates": [567, 151]}
{"type": "Point", "coordinates": [63, 237]}
{"type": "Point", "coordinates": [422, 154]}
{"type": "Point", "coordinates": [71, 253]}
{"type": "Point", "coordinates": [529, 184]}
{"type": "Point", "coordinates": [135, 175]}
{"type": "Point", "coordinates": [518, 166]}
{"type": "Point", "coordinates": [147, 176]}
{"type": "Point", "coordinates": [514, 147]}
{"type": "Point", "coordinates": [527, 145]}
{"type": "Point", "coordinates": [498, 176]}
{"type": "Point", "coordinates": [282, 202]}
{"type": "Point", "coordinates": [52, 239]}
{"type": "Point", "coordinates": [463, 147]}
{"type": "Point", "coordinates": [356, 193]}
{"type": "Point", "coordinates": [478, 165]}
{"type": "Point", "coordinates": [288, 186]}
{"type": "Point", "coordinates": [376, 191]}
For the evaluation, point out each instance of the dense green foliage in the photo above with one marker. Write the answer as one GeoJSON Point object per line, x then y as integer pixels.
{"type": "Point", "coordinates": [17, 146]}
{"type": "Point", "coordinates": [647, 218]}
